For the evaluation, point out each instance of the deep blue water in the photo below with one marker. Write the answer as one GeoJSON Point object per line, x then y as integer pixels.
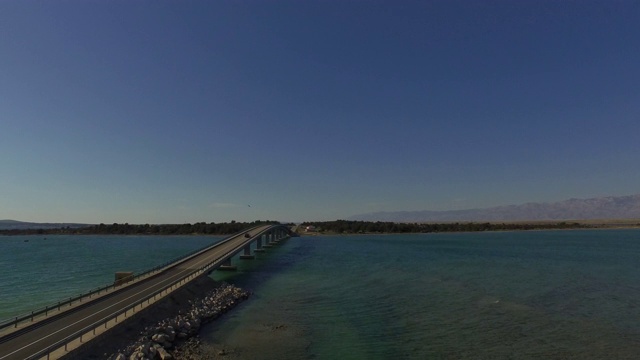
{"type": "Point", "coordinates": [497, 295]}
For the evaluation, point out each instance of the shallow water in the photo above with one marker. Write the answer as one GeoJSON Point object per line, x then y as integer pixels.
{"type": "Point", "coordinates": [503, 295]}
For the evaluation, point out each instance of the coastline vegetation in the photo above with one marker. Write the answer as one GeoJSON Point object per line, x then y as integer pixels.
{"type": "Point", "coordinates": [200, 228]}
{"type": "Point", "coordinates": [379, 227]}
{"type": "Point", "coordinates": [317, 227]}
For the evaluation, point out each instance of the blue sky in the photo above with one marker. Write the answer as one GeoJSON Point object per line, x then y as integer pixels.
{"type": "Point", "coordinates": [174, 112]}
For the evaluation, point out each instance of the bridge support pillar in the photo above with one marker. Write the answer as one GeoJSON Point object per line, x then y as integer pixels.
{"type": "Point", "coordinates": [269, 240]}
{"type": "Point", "coordinates": [259, 244]}
{"type": "Point", "coordinates": [226, 266]}
{"type": "Point", "coordinates": [247, 253]}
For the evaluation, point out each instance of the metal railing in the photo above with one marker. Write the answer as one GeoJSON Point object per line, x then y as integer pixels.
{"type": "Point", "coordinates": [14, 321]}
{"type": "Point", "coordinates": [78, 335]}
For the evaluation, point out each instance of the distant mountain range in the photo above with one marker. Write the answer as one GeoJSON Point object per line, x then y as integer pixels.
{"type": "Point", "coordinates": [21, 225]}
{"type": "Point", "coordinates": [611, 207]}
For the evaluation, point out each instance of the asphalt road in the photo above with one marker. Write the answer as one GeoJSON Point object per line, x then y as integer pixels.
{"type": "Point", "coordinates": [40, 336]}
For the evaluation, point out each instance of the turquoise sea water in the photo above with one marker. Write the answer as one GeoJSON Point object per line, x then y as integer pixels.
{"type": "Point", "coordinates": [37, 271]}
{"type": "Point", "coordinates": [498, 295]}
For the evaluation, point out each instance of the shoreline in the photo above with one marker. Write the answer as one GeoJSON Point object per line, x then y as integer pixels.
{"type": "Point", "coordinates": [328, 227]}
{"type": "Point", "coordinates": [587, 228]}
{"type": "Point", "coordinates": [316, 233]}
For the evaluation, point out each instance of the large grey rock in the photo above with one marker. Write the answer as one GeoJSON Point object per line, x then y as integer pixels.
{"type": "Point", "coordinates": [155, 340]}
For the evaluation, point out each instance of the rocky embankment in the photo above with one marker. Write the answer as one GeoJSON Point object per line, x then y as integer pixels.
{"type": "Point", "coordinates": [168, 329]}
{"type": "Point", "coordinates": [173, 338]}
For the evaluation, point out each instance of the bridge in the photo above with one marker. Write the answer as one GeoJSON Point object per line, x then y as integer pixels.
{"type": "Point", "coordinates": [52, 332]}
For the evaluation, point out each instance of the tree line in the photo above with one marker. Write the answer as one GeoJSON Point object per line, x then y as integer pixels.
{"type": "Point", "coordinates": [147, 229]}
{"type": "Point", "coordinates": [337, 226]}
{"type": "Point", "coordinates": [369, 227]}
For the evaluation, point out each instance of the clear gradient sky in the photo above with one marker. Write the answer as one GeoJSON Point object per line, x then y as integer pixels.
{"type": "Point", "coordinates": [188, 111]}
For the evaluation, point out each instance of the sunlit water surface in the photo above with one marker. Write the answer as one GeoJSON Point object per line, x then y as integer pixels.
{"type": "Point", "coordinates": [497, 295]}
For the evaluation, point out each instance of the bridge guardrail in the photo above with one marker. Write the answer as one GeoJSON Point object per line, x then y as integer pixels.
{"type": "Point", "coordinates": [78, 334]}
{"type": "Point", "coordinates": [14, 321]}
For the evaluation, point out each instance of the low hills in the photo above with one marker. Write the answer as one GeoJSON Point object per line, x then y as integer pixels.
{"type": "Point", "coordinates": [610, 207]}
